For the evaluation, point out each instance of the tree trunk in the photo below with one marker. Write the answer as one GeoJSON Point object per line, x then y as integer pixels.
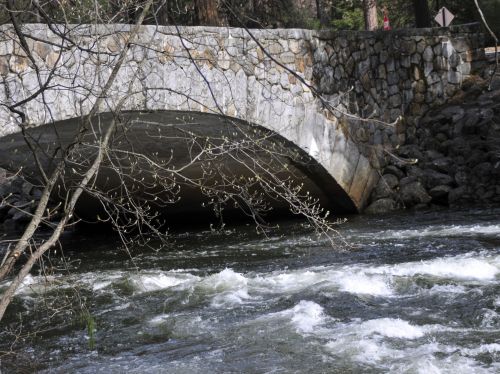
{"type": "Point", "coordinates": [422, 13]}
{"type": "Point", "coordinates": [324, 12]}
{"type": "Point", "coordinates": [370, 12]}
{"type": "Point", "coordinates": [207, 12]}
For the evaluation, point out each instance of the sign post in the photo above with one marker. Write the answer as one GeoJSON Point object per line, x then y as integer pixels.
{"type": "Point", "coordinates": [444, 17]}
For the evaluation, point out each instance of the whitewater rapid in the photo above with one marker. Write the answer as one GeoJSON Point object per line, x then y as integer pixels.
{"type": "Point", "coordinates": [407, 300]}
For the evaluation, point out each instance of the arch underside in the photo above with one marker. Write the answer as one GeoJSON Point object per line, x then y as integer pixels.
{"type": "Point", "coordinates": [177, 139]}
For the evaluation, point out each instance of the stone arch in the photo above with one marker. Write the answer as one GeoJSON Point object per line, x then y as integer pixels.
{"type": "Point", "coordinates": [303, 167]}
{"type": "Point", "coordinates": [224, 72]}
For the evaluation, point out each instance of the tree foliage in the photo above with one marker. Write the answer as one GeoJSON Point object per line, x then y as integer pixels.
{"type": "Point", "coordinates": [336, 14]}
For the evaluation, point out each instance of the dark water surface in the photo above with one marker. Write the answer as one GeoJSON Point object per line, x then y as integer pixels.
{"type": "Point", "coordinates": [419, 293]}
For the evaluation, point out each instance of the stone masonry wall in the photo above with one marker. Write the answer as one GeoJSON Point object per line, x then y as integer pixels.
{"type": "Point", "coordinates": [225, 71]}
{"type": "Point", "coordinates": [455, 153]}
{"type": "Point", "coordinates": [385, 74]}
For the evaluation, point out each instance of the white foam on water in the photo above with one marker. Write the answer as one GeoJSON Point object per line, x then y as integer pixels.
{"type": "Point", "coordinates": [225, 280]}
{"type": "Point", "coordinates": [306, 315]}
{"type": "Point", "coordinates": [226, 288]}
{"type": "Point", "coordinates": [114, 308]}
{"type": "Point", "coordinates": [392, 328]}
{"type": "Point", "coordinates": [485, 348]}
{"type": "Point", "coordinates": [448, 288]}
{"type": "Point", "coordinates": [430, 364]}
{"type": "Point", "coordinates": [490, 318]}
{"type": "Point", "coordinates": [291, 281]}
{"type": "Point", "coordinates": [96, 286]}
{"type": "Point", "coordinates": [158, 320]}
{"type": "Point", "coordinates": [352, 346]}
{"type": "Point", "coordinates": [371, 342]}
{"type": "Point", "coordinates": [398, 346]}
{"type": "Point", "coordinates": [347, 279]}
{"type": "Point", "coordinates": [230, 299]}
{"type": "Point", "coordinates": [27, 285]}
{"type": "Point", "coordinates": [146, 281]}
{"type": "Point", "coordinates": [31, 285]}
{"type": "Point", "coordinates": [461, 267]}
{"type": "Point", "coordinates": [360, 283]}
{"type": "Point", "coordinates": [101, 281]}
{"type": "Point", "coordinates": [497, 301]}
{"type": "Point", "coordinates": [440, 231]}
{"type": "Point", "coordinates": [305, 318]}
{"type": "Point", "coordinates": [154, 282]}
{"type": "Point", "coordinates": [381, 280]}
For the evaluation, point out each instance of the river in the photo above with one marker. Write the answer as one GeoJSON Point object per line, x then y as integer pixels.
{"type": "Point", "coordinates": [418, 292]}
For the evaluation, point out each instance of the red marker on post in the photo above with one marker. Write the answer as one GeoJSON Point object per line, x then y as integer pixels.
{"type": "Point", "coordinates": [387, 26]}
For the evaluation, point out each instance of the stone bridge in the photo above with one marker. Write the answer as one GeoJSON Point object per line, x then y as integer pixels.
{"type": "Point", "coordinates": [300, 84]}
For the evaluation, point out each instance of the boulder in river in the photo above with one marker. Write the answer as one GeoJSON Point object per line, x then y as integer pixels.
{"type": "Point", "coordinates": [414, 193]}
{"type": "Point", "coordinates": [381, 206]}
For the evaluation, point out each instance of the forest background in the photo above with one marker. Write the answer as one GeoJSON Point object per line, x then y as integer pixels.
{"type": "Point", "coordinates": [309, 14]}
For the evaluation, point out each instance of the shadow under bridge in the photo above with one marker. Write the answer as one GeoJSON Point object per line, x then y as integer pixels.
{"type": "Point", "coordinates": [186, 165]}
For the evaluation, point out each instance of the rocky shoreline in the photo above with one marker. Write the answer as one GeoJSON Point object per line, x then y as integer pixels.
{"type": "Point", "coordinates": [451, 156]}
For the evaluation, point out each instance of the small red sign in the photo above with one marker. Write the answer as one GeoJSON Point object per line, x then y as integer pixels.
{"type": "Point", "coordinates": [387, 25]}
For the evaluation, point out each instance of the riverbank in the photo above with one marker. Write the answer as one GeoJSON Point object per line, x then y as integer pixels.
{"type": "Point", "coordinates": [451, 155]}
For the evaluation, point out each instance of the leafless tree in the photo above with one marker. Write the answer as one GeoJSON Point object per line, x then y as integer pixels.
{"type": "Point", "coordinates": [143, 184]}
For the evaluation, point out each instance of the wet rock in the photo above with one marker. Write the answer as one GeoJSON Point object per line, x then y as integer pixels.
{"type": "Point", "coordinates": [456, 194]}
{"type": "Point", "coordinates": [458, 146]}
{"type": "Point", "coordinates": [12, 211]}
{"type": "Point", "coordinates": [482, 170]}
{"type": "Point", "coordinates": [454, 113]}
{"type": "Point", "coordinates": [394, 170]}
{"type": "Point", "coordinates": [3, 176]}
{"type": "Point", "coordinates": [9, 225]}
{"type": "Point", "coordinates": [391, 180]}
{"type": "Point", "coordinates": [16, 184]}
{"type": "Point", "coordinates": [486, 195]}
{"type": "Point", "coordinates": [439, 194]}
{"type": "Point", "coordinates": [433, 155]}
{"type": "Point", "coordinates": [476, 157]}
{"type": "Point", "coordinates": [434, 178]}
{"type": "Point", "coordinates": [382, 189]}
{"type": "Point", "coordinates": [407, 180]}
{"type": "Point", "coordinates": [381, 206]}
{"type": "Point", "coordinates": [26, 188]}
{"type": "Point", "coordinates": [4, 209]}
{"type": "Point", "coordinates": [36, 193]}
{"type": "Point", "coordinates": [415, 171]}
{"type": "Point", "coordinates": [4, 190]}
{"type": "Point", "coordinates": [461, 177]}
{"type": "Point", "coordinates": [414, 193]}
{"type": "Point", "coordinates": [443, 165]}
{"type": "Point", "coordinates": [441, 137]}
{"type": "Point", "coordinates": [430, 143]}
{"type": "Point", "coordinates": [21, 217]}
{"type": "Point", "coordinates": [410, 151]}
